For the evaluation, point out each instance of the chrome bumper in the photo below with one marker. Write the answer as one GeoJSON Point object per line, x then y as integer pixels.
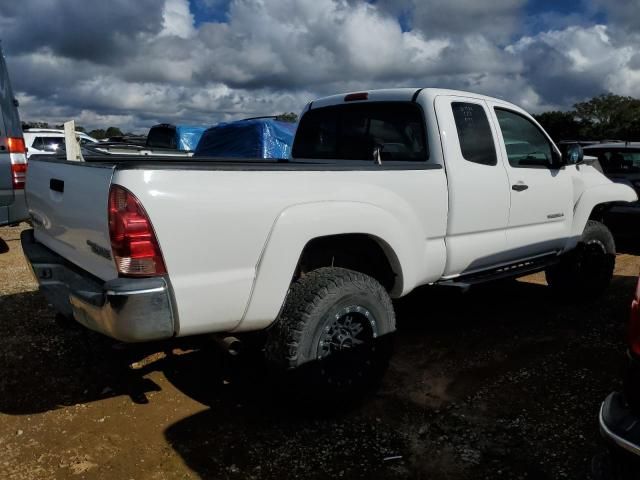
{"type": "Point", "coordinates": [127, 309]}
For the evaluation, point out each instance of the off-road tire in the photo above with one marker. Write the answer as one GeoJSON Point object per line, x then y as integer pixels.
{"type": "Point", "coordinates": [586, 270]}
{"type": "Point", "coordinates": [316, 304]}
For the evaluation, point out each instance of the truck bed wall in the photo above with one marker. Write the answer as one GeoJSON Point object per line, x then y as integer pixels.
{"type": "Point", "coordinates": [232, 236]}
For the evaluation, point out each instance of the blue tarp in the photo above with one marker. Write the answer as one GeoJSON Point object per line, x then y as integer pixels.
{"type": "Point", "coordinates": [253, 138]}
{"type": "Point", "coordinates": [189, 136]}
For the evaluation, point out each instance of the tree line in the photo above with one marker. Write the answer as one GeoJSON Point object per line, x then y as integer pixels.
{"type": "Point", "coordinates": [98, 133]}
{"type": "Point", "coordinates": [109, 132]}
{"type": "Point", "coordinates": [605, 117]}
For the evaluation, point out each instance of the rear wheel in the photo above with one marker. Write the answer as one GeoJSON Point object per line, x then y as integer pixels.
{"type": "Point", "coordinates": [587, 269]}
{"type": "Point", "coordinates": [332, 334]}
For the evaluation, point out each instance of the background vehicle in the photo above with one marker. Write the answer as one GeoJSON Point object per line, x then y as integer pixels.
{"type": "Point", "coordinates": [620, 413]}
{"type": "Point", "coordinates": [312, 250]}
{"type": "Point", "coordinates": [140, 140]}
{"type": "Point", "coordinates": [41, 141]}
{"type": "Point", "coordinates": [174, 137]}
{"type": "Point", "coordinates": [13, 160]}
{"type": "Point", "coordinates": [620, 161]}
{"type": "Point", "coordinates": [250, 138]}
{"type": "Point", "coordinates": [163, 140]}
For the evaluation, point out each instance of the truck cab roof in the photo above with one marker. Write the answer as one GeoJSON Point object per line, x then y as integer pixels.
{"type": "Point", "coordinates": [405, 94]}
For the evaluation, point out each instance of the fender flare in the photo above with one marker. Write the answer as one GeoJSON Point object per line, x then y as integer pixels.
{"type": "Point", "coordinates": [298, 225]}
{"type": "Point", "coordinates": [591, 198]}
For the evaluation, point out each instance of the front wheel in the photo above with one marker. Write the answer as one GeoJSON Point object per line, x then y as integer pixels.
{"type": "Point", "coordinates": [587, 269]}
{"type": "Point", "coordinates": [333, 333]}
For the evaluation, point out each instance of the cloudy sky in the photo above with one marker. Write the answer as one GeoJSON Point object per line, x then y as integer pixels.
{"type": "Point", "coordinates": [135, 63]}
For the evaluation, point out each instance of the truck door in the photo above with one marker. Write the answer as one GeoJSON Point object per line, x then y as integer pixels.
{"type": "Point", "coordinates": [541, 190]}
{"type": "Point", "coordinates": [478, 185]}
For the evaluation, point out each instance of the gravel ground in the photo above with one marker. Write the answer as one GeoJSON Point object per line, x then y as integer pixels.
{"type": "Point", "coordinates": [502, 382]}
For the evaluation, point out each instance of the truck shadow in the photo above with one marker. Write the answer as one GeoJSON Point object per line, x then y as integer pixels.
{"type": "Point", "coordinates": [450, 347]}
{"type": "Point", "coordinates": [4, 247]}
{"type": "Point", "coordinates": [47, 364]}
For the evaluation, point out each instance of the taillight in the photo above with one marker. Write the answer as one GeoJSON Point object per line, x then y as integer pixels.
{"type": "Point", "coordinates": [18, 156]}
{"type": "Point", "coordinates": [133, 242]}
{"type": "Point", "coordinates": [634, 323]}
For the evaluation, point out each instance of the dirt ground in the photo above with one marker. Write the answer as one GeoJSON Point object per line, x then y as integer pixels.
{"type": "Point", "coordinates": [504, 381]}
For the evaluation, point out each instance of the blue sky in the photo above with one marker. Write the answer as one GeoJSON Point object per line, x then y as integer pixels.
{"type": "Point", "coordinates": [209, 11]}
{"type": "Point", "coordinates": [133, 64]}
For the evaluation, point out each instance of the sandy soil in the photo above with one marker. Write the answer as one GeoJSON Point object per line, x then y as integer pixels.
{"type": "Point", "coordinates": [502, 382]}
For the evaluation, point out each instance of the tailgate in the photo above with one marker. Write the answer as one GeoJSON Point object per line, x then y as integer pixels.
{"type": "Point", "coordinates": [68, 203]}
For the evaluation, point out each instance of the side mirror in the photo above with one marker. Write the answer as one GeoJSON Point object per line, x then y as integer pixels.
{"type": "Point", "coordinates": [574, 155]}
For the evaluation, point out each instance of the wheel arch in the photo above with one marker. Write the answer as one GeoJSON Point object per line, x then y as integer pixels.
{"type": "Point", "coordinates": [593, 201]}
{"type": "Point", "coordinates": [301, 231]}
{"type": "Point", "coordinates": [361, 252]}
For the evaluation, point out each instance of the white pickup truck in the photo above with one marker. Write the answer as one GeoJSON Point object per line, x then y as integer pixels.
{"type": "Point", "coordinates": [385, 191]}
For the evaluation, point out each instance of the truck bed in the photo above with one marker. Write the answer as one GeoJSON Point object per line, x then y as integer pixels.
{"type": "Point", "coordinates": [231, 231]}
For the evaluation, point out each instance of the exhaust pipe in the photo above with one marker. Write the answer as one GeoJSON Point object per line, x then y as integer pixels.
{"type": "Point", "coordinates": [231, 345]}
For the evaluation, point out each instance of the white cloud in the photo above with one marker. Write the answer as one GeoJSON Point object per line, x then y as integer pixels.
{"type": "Point", "coordinates": [177, 19]}
{"type": "Point", "coordinates": [272, 56]}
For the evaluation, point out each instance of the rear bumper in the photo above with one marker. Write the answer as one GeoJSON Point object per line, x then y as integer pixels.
{"type": "Point", "coordinates": [16, 212]}
{"type": "Point", "coordinates": [129, 310]}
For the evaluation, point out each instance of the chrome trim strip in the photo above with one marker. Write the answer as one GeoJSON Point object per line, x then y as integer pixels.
{"type": "Point", "coordinates": [112, 293]}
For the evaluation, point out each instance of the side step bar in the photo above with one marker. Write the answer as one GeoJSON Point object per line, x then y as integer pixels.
{"type": "Point", "coordinates": [516, 269]}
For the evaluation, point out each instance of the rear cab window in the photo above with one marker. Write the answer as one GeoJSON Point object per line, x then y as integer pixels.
{"type": "Point", "coordinates": [474, 133]}
{"type": "Point", "coordinates": [384, 131]}
{"type": "Point", "coordinates": [162, 137]}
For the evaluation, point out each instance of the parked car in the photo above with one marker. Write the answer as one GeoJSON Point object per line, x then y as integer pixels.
{"type": "Point", "coordinates": [251, 138]}
{"type": "Point", "coordinates": [620, 161]}
{"type": "Point", "coordinates": [620, 413]}
{"type": "Point", "coordinates": [385, 191]}
{"type": "Point", "coordinates": [13, 160]}
{"type": "Point", "coordinates": [43, 141]}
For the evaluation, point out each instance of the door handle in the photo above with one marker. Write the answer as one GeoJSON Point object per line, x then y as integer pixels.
{"type": "Point", "coordinates": [519, 187]}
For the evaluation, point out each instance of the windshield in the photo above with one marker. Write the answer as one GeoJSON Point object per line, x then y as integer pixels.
{"type": "Point", "coordinates": [385, 131]}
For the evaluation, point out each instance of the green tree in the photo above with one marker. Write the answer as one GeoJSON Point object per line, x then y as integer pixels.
{"type": "Point", "coordinates": [287, 117]}
{"type": "Point", "coordinates": [98, 133]}
{"type": "Point", "coordinates": [26, 125]}
{"type": "Point", "coordinates": [610, 116]}
{"type": "Point", "coordinates": [560, 125]}
{"type": "Point", "coordinates": [113, 132]}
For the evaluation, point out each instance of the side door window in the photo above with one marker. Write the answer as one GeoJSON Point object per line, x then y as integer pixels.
{"type": "Point", "coordinates": [38, 144]}
{"type": "Point", "coordinates": [474, 133]}
{"type": "Point", "coordinates": [526, 145]}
